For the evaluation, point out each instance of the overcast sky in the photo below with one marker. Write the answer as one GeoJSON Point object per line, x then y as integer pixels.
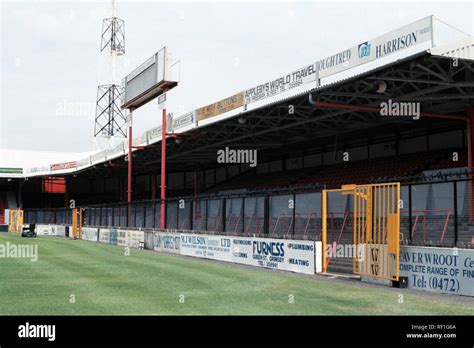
{"type": "Point", "coordinates": [50, 54]}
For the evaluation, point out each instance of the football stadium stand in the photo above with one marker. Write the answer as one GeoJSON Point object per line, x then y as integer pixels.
{"type": "Point", "coordinates": [322, 135]}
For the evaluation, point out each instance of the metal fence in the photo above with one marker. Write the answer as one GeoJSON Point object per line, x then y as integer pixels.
{"type": "Point", "coordinates": [432, 213]}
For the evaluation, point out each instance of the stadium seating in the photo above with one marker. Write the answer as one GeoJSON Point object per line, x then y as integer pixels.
{"type": "Point", "coordinates": [401, 168]}
{"type": "Point", "coordinates": [446, 161]}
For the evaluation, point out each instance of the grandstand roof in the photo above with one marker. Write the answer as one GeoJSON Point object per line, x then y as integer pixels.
{"type": "Point", "coordinates": [428, 77]}
{"type": "Point", "coordinates": [270, 129]}
{"type": "Point", "coordinates": [422, 78]}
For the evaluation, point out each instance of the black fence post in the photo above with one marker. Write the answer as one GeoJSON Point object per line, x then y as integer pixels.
{"type": "Point", "coordinates": [455, 197]}
{"type": "Point", "coordinates": [129, 216]}
{"type": "Point", "coordinates": [243, 216]}
{"type": "Point", "coordinates": [123, 215]}
{"type": "Point", "coordinates": [166, 212]}
{"type": "Point", "coordinates": [294, 213]}
{"type": "Point", "coordinates": [223, 214]}
{"type": "Point", "coordinates": [177, 214]}
{"type": "Point", "coordinates": [409, 214]}
{"type": "Point", "coordinates": [207, 211]}
{"type": "Point", "coordinates": [266, 215]}
{"type": "Point", "coordinates": [190, 213]}
{"type": "Point", "coordinates": [133, 209]}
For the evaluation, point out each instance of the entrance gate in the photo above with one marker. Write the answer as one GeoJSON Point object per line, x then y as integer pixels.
{"type": "Point", "coordinates": [78, 217]}
{"type": "Point", "coordinates": [15, 220]}
{"type": "Point", "coordinates": [375, 229]}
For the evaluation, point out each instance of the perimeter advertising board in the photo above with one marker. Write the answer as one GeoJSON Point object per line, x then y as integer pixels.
{"type": "Point", "coordinates": [43, 230]}
{"type": "Point", "coordinates": [104, 235]}
{"type": "Point", "coordinates": [58, 230]}
{"type": "Point", "coordinates": [90, 234]}
{"type": "Point", "coordinates": [289, 255]}
{"type": "Point", "coordinates": [206, 246]}
{"type": "Point", "coordinates": [167, 242]}
{"type": "Point", "coordinates": [134, 239]}
{"type": "Point", "coordinates": [113, 236]}
{"type": "Point", "coordinates": [446, 270]}
{"type": "Point", "coordinates": [442, 270]}
{"type": "Point", "coordinates": [122, 237]}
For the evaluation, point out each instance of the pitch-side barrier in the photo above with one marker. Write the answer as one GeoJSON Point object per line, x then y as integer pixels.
{"type": "Point", "coordinates": [443, 270]}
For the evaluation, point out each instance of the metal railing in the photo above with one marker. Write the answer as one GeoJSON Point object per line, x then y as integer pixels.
{"type": "Point", "coordinates": [432, 213]}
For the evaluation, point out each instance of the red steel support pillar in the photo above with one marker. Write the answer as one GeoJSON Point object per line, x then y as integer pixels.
{"type": "Point", "coordinates": [163, 170]}
{"type": "Point", "coordinates": [129, 183]}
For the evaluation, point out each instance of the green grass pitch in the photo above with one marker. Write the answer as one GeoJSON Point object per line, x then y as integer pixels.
{"type": "Point", "coordinates": [104, 281]}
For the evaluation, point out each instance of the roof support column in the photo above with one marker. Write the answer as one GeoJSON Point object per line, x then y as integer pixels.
{"type": "Point", "coordinates": [129, 169]}
{"type": "Point", "coordinates": [163, 170]}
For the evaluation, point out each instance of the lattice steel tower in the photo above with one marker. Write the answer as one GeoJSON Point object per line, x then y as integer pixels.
{"type": "Point", "coordinates": [110, 120]}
